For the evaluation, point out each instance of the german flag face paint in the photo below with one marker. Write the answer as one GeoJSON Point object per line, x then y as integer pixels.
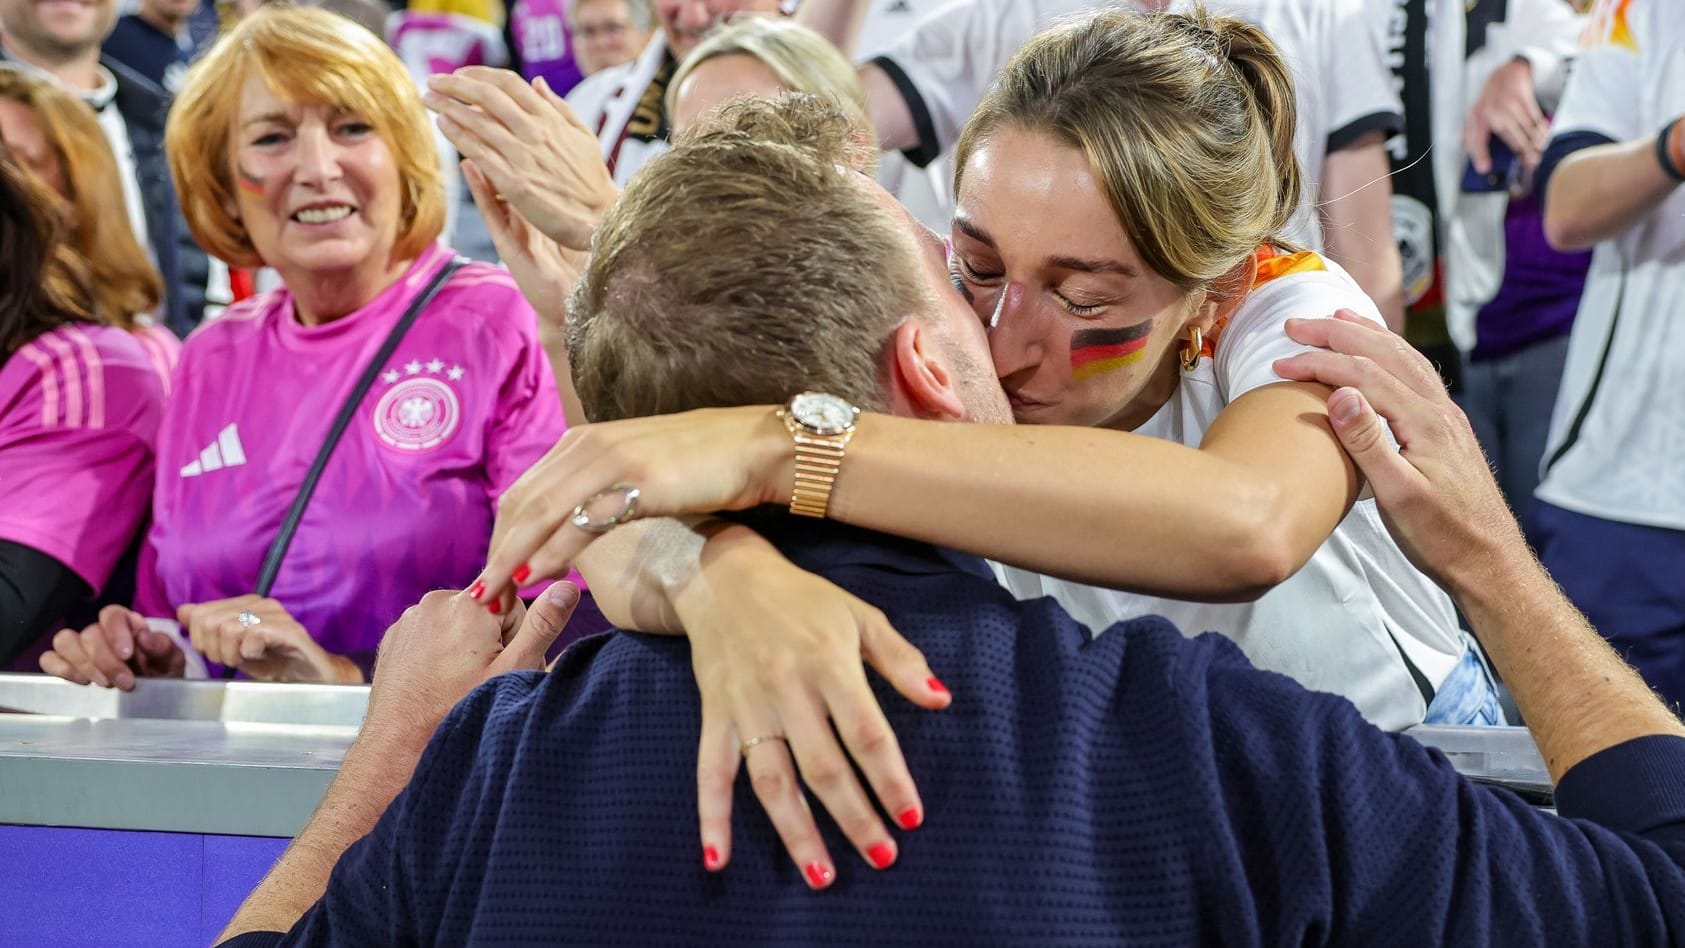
{"type": "Point", "coordinates": [1097, 351]}
{"type": "Point", "coordinates": [248, 182]}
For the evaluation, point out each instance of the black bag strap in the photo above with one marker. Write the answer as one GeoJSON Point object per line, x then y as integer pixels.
{"type": "Point", "coordinates": [1573, 435]}
{"type": "Point", "coordinates": [289, 525]}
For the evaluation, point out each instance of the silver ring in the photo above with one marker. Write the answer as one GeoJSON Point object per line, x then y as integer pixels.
{"type": "Point", "coordinates": [757, 741]}
{"type": "Point", "coordinates": [248, 619]}
{"type": "Point", "coordinates": [628, 509]}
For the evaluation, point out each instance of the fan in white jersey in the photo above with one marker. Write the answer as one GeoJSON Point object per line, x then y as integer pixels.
{"type": "Point", "coordinates": [1609, 521]}
{"type": "Point", "coordinates": [1137, 309]}
{"type": "Point", "coordinates": [924, 88]}
{"type": "Point", "coordinates": [626, 105]}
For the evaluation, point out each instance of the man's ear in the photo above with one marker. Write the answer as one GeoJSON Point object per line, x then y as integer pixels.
{"type": "Point", "coordinates": [923, 383]}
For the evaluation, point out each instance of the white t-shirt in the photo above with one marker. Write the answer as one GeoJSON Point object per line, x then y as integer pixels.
{"type": "Point", "coordinates": [627, 107]}
{"type": "Point", "coordinates": [1343, 87]}
{"type": "Point", "coordinates": [1619, 425]}
{"type": "Point", "coordinates": [609, 99]}
{"type": "Point", "coordinates": [1342, 621]}
{"type": "Point", "coordinates": [927, 192]}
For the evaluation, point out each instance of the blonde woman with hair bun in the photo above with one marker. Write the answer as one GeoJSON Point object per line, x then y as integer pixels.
{"type": "Point", "coordinates": [1122, 192]}
{"type": "Point", "coordinates": [765, 56]}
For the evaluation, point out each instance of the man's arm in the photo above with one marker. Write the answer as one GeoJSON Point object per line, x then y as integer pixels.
{"type": "Point", "coordinates": [1357, 226]}
{"type": "Point", "coordinates": [1603, 191]}
{"type": "Point", "coordinates": [438, 652]}
{"type": "Point", "coordinates": [1603, 172]}
{"type": "Point", "coordinates": [1482, 867]}
{"type": "Point", "coordinates": [921, 90]}
{"type": "Point", "coordinates": [892, 118]}
{"type": "Point", "coordinates": [837, 20]}
{"type": "Point", "coordinates": [1447, 514]}
{"type": "Point", "coordinates": [375, 769]}
{"type": "Point", "coordinates": [1349, 835]}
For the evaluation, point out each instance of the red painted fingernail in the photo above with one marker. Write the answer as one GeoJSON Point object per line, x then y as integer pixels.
{"type": "Point", "coordinates": [882, 855]}
{"type": "Point", "coordinates": [935, 684]}
{"type": "Point", "coordinates": [522, 574]}
{"type": "Point", "coordinates": [710, 858]}
{"type": "Point", "coordinates": [494, 607]}
{"type": "Point", "coordinates": [477, 590]}
{"type": "Point", "coordinates": [910, 818]}
{"type": "Point", "coordinates": [819, 875]}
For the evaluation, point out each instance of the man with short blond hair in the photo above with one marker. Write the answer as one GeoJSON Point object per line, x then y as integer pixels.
{"type": "Point", "coordinates": [1139, 786]}
{"type": "Point", "coordinates": [702, 340]}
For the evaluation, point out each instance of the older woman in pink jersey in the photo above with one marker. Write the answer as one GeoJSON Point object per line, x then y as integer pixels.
{"type": "Point", "coordinates": [300, 144]}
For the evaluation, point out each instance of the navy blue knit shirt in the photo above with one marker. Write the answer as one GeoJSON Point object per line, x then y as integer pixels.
{"type": "Point", "coordinates": [1137, 789]}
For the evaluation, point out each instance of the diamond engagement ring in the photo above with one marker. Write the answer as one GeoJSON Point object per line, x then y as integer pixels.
{"type": "Point", "coordinates": [628, 510]}
{"type": "Point", "coordinates": [248, 619]}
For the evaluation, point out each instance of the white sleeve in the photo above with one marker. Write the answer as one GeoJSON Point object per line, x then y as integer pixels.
{"type": "Point", "coordinates": [589, 97]}
{"type": "Point", "coordinates": [1602, 94]}
{"type": "Point", "coordinates": [1543, 32]}
{"type": "Point", "coordinates": [1357, 94]}
{"type": "Point", "coordinates": [1256, 335]}
{"type": "Point", "coordinates": [945, 64]}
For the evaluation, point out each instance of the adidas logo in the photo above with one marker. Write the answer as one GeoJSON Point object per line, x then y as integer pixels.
{"type": "Point", "coordinates": [225, 451]}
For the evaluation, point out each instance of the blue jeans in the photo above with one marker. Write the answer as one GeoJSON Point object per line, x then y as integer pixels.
{"type": "Point", "coordinates": [1509, 402]}
{"type": "Point", "coordinates": [1468, 695]}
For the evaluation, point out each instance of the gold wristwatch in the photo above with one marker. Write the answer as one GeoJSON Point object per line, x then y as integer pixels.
{"type": "Point", "coordinates": [821, 426]}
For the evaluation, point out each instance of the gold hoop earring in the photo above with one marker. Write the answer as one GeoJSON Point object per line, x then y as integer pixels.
{"type": "Point", "coordinates": [1193, 349]}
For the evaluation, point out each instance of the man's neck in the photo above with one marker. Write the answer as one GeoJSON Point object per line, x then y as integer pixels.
{"type": "Point", "coordinates": [162, 22]}
{"type": "Point", "coordinates": [79, 73]}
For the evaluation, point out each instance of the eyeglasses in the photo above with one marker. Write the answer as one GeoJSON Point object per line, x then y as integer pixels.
{"type": "Point", "coordinates": [607, 31]}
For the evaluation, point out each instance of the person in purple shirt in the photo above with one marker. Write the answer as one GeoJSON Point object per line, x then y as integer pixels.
{"type": "Point", "coordinates": [336, 186]}
{"type": "Point", "coordinates": [1134, 788]}
{"type": "Point", "coordinates": [79, 411]}
{"type": "Point", "coordinates": [540, 43]}
{"type": "Point", "coordinates": [563, 41]}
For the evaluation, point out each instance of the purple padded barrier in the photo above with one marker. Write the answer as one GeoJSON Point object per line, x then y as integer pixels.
{"type": "Point", "coordinates": [73, 887]}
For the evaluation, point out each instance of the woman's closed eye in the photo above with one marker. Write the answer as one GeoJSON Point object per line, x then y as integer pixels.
{"type": "Point", "coordinates": [963, 270]}
{"type": "Point", "coordinates": [1078, 309]}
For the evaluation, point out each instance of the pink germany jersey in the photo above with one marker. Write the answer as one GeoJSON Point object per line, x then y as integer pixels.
{"type": "Point", "coordinates": [163, 349]}
{"type": "Point", "coordinates": [79, 414]}
{"type": "Point", "coordinates": [462, 408]}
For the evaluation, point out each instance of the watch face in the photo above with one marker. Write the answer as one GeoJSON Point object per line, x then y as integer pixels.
{"type": "Point", "coordinates": [822, 414]}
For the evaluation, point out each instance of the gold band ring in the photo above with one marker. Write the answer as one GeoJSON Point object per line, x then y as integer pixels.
{"type": "Point", "coordinates": [757, 741]}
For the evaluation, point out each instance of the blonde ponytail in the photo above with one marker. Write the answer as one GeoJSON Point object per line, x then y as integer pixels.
{"type": "Point", "coordinates": [1187, 121]}
{"type": "Point", "coordinates": [1264, 71]}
